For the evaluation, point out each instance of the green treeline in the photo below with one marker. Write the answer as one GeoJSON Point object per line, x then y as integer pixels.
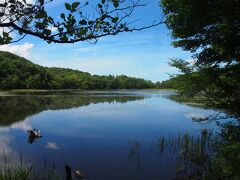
{"type": "Point", "coordinates": [19, 73]}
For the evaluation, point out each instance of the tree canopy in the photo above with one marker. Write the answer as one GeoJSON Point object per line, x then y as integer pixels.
{"type": "Point", "coordinates": [211, 31]}
{"type": "Point", "coordinates": [208, 28]}
{"type": "Point", "coordinates": [19, 73]}
{"type": "Point", "coordinates": [76, 23]}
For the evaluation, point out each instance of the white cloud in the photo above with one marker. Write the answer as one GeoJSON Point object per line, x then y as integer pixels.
{"type": "Point", "coordinates": [196, 116]}
{"type": "Point", "coordinates": [4, 144]}
{"type": "Point", "coordinates": [51, 145]}
{"type": "Point", "coordinates": [23, 50]}
{"type": "Point", "coordinates": [21, 125]}
{"type": "Point", "coordinates": [6, 150]}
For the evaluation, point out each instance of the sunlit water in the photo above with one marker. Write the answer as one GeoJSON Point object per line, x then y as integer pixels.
{"type": "Point", "coordinates": [95, 131]}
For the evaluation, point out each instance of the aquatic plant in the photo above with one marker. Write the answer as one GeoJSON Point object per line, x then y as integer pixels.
{"type": "Point", "coordinates": [192, 152]}
{"type": "Point", "coordinates": [20, 171]}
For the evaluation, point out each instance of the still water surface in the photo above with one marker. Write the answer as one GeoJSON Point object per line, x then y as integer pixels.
{"type": "Point", "coordinates": [106, 134]}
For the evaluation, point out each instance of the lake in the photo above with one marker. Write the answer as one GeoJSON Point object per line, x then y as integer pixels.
{"type": "Point", "coordinates": [105, 134]}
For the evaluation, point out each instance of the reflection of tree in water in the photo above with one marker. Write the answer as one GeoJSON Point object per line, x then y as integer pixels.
{"type": "Point", "coordinates": [17, 108]}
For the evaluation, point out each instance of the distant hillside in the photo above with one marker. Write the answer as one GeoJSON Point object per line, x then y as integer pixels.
{"type": "Point", "coordinates": [19, 73]}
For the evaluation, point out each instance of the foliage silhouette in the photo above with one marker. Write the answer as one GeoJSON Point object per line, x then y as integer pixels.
{"type": "Point", "coordinates": [77, 22]}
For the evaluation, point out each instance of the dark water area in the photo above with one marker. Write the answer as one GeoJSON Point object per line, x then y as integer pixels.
{"type": "Point", "coordinates": [105, 134]}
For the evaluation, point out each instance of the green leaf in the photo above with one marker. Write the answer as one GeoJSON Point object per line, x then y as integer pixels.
{"type": "Point", "coordinates": [73, 10]}
{"type": "Point", "coordinates": [9, 39]}
{"type": "Point", "coordinates": [75, 5]}
{"type": "Point", "coordinates": [64, 38]}
{"type": "Point", "coordinates": [82, 31]}
{"type": "Point", "coordinates": [100, 6]}
{"type": "Point", "coordinates": [116, 3]}
{"type": "Point", "coordinates": [68, 6]}
{"type": "Point", "coordinates": [126, 29]}
{"type": "Point", "coordinates": [50, 19]}
{"type": "Point", "coordinates": [20, 32]}
{"type": "Point", "coordinates": [60, 29]}
{"type": "Point", "coordinates": [39, 15]}
{"type": "Point", "coordinates": [106, 30]}
{"type": "Point", "coordinates": [62, 16]}
{"type": "Point", "coordinates": [114, 20]}
{"type": "Point", "coordinates": [69, 28]}
{"type": "Point", "coordinates": [83, 22]}
{"type": "Point", "coordinates": [47, 32]}
{"type": "Point", "coordinates": [5, 34]}
{"type": "Point", "coordinates": [90, 22]}
{"type": "Point", "coordinates": [39, 25]}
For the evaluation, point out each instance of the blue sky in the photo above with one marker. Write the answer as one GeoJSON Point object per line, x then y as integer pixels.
{"type": "Point", "coordinates": [143, 54]}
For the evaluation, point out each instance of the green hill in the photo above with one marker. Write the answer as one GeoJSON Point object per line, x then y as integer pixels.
{"type": "Point", "coordinates": [19, 73]}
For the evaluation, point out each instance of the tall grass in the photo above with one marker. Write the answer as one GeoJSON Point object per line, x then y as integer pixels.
{"type": "Point", "coordinates": [19, 171]}
{"type": "Point", "coordinates": [192, 153]}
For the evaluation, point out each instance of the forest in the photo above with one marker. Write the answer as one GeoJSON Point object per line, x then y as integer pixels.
{"type": "Point", "coordinates": [208, 30]}
{"type": "Point", "coordinates": [18, 73]}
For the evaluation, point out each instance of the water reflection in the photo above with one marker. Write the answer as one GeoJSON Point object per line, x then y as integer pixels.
{"type": "Point", "coordinates": [17, 108]}
{"type": "Point", "coordinates": [90, 131]}
{"type": "Point", "coordinates": [7, 153]}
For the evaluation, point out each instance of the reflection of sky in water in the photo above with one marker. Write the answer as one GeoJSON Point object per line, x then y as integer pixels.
{"type": "Point", "coordinates": [95, 137]}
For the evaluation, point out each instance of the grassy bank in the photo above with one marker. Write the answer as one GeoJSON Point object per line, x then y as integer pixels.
{"type": "Point", "coordinates": [193, 101]}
